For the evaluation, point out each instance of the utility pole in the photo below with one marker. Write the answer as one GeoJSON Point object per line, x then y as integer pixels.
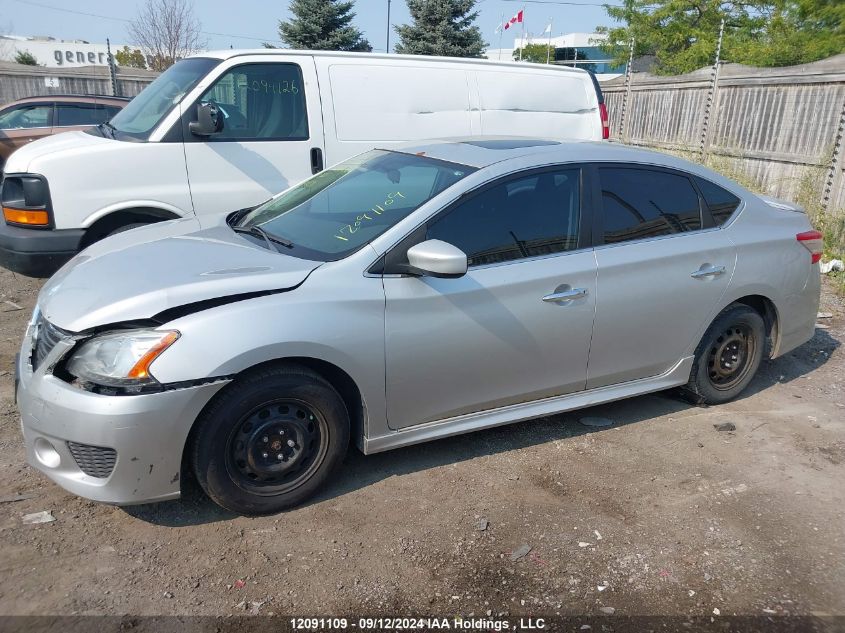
{"type": "Point", "coordinates": [501, 34]}
{"type": "Point", "coordinates": [549, 47]}
{"type": "Point", "coordinates": [387, 46]}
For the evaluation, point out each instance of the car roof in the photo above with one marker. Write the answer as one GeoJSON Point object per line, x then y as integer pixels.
{"type": "Point", "coordinates": [482, 151]}
{"type": "Point", "coordinates": [88, 98]}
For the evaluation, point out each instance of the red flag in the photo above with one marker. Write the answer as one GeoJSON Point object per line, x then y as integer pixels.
{"type": "Point", "coordinates": [515, 19]}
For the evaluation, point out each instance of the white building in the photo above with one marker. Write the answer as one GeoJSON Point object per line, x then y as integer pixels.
{"type": "Point", "coordinates": [55, 53]}
{"type": "Point", "coordinates": [581, 50]}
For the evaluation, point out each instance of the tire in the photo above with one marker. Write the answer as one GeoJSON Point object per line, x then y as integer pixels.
{"type": "Point", "coordinates": [728, 356]}
{"type": "Point", "coordinates": [269, 440]}
{"type": "Point", "coordinates": [124, 228]}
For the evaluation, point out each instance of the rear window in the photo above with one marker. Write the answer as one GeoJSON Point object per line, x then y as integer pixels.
{"type": "Point", "coordinates": [69, 114]}
{"type": "Point", "coordinates": [642, 203]}
{"type": "Point", "coordinates": [721, 202]}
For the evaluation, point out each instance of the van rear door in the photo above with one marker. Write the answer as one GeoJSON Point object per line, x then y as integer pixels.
{"type": "Point", "coordinates": [272, 136]}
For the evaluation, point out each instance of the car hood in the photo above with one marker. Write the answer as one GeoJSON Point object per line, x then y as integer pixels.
{"type": "Point", "coordinates": [141, 273]}
{"type": "Point", "coordinates": [77, 141]}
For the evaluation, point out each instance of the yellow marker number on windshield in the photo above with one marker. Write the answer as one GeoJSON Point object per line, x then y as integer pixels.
{"type": "Point", "coordinates": [378, 209]}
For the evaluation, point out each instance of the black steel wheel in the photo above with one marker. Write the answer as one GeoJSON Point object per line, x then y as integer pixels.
{"type": "Point", "coordinates": [276, 446]}
{"type": "Point", "coordinates": [728, 355]}
{"type": "Point", "coordinates": [269, 440]}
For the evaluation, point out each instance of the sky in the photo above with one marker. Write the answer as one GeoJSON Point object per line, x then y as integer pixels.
{"type": "Point", "coordinates": [248, 23]}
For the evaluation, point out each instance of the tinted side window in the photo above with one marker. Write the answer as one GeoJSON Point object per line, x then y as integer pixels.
{"type": "Point", "coordinates": [641, 203]}
{"type": "Point", "coordinates": [722, 203]}
{"type": "Point", "coordinates": [261, 101]}
{"type": "Point", "coordinates": [80, 114]}
{"type": "Point", "coordinates": [525, 217]}
{"type": "Point", "coordinates": [111, 111]}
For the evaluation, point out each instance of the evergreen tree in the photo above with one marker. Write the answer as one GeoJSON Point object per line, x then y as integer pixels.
{"type": "Point", "coordinates": [324, 25]}
{"type": "Point", "coordinates": [441, 27]}
{"type": "Point", "coordinates": [26, 58]}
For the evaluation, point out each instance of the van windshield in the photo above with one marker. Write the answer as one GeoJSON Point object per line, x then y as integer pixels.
{"type": "Point", "coordinates": [336, 212]}
{"type": "Point", "coordinates": [141, 115]}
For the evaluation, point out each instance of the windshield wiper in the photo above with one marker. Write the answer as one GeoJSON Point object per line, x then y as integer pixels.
{"type": "Point", "coordinates": [268, 237]}
{"type": "Point", "coordinates": [105, 125]}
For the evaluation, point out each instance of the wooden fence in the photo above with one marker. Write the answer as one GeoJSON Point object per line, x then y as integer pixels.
{"type": "Point", "coordinates": [18, 81]}
{"type": "Point", "coordinates": [779, 130]}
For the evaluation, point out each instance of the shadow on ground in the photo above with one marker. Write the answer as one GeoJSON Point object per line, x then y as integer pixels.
{"type": "Point", "coordinates": [360, 471]}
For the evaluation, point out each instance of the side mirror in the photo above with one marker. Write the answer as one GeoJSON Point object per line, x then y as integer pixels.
{"type": "Point", "coordinates": [435, 258]}
{"type": "Point", "coordinates": [209, 120]}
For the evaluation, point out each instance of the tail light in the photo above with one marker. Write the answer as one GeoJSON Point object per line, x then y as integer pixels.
{"type": "Point", "coordinates": [605, 122]}
{"type": "Point", "coordinates": [813, 242]}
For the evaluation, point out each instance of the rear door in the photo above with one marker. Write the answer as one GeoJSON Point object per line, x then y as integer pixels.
{"type": "Point", "coordinates": [272, 136]}
{"type": "Point", "coordinates": [496, 336]}
{"type": "Point", "coordinates": [78, 116]}
{"type": "Point", "coordinates": [662, 269]}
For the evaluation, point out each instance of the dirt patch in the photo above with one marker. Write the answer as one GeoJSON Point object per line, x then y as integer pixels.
{"type": "Point", "coordinates": [658, 514]}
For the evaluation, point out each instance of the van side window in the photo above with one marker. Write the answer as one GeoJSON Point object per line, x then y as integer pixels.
{"type": "Point", "coordinates": [722, 203]}
{"type": "Point", "coordinates": [534, 215]}
{"type": "Point", "coordinates": [641, 203]}
{"type": "Point", "coordinates": [261, 102]}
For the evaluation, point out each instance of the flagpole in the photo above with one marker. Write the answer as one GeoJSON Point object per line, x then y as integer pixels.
{"type": "Point", "coordinates": [523, 33]}
{"type": "Point", "coordinates": [549, 48]}
{"type": "Point", "coordinates": [501, 34]}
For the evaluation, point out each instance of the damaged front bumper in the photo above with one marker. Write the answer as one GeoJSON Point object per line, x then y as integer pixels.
{"type": "Point", "coordinates": [122, 450]}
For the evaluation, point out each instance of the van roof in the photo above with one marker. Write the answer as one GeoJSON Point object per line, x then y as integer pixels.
{"type": "Point", "coordinates": [229, 53]}
{"type": "Point", "coordinates": [482, 151]}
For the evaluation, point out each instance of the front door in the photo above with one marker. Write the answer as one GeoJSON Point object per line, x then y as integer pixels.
{"type": "Point", "coordinates": [517, 326]}
{"type": "Point", "coordinates": [272, 135]}
{"type": "Point", "coordinates": [661, 273]}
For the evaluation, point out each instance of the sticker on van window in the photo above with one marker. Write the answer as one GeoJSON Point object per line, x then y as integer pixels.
{"type": "Point", "coordinates": [274, 87]}
{"type": "Point", "coordinates": [376, 210]}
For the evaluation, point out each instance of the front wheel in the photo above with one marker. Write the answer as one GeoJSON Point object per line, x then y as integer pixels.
{"type": "Point", "coordinates": [270, 440]}
{"type": "Point", "coordinates": [728, 356]}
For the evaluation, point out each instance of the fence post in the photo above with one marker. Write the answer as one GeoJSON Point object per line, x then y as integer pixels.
{"type": "Point", "coordinates": [112, 71]}
{"type": "Point", "coordinates": [627, 94]}
{"type": "Point", "coordinates": [834, 170]}
{"type": "Point", "coordinates": [704, 143]}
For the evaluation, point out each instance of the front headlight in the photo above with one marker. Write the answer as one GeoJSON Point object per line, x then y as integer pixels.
{"type": "Point", "coordinates": [120, 359]}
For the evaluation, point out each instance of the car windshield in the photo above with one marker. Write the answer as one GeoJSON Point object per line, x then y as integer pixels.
{"type": "Point", "coordinates": [336, 212]}
{"type": "Point", "coordinates": [141, 115]}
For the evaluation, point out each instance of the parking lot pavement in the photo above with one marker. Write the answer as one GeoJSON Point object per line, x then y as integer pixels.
{"type": "Point", "coordinates": [660, 513]}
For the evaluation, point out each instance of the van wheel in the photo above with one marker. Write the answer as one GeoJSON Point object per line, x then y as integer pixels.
{"type": "Point", "coordinates": [270, 440]}
{"type": "Point", "coordinates": [124, 228]}
{"type": "Point", "coordinates": [728, 356]}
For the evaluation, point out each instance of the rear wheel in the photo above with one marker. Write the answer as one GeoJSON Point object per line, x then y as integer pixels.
{"type": "Point", "coordinates": [728, 356]}
{"type": "Point", "coordinates": [270, 440]}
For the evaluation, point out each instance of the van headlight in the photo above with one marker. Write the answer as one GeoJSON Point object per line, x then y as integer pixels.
{"type": "Point", "coordinates": [120, 359]}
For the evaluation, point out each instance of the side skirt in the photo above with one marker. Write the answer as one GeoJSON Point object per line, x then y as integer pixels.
{"type": "Point", "coordinates": [677, 375]}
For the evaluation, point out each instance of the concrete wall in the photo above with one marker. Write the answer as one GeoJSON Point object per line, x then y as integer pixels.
{"type": "Point", "coordinates": [18, 81]}
{"type": "Point", "coordinates": [775, 128]}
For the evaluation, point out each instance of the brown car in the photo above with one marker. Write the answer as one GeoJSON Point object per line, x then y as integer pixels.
{"type": "Point", "coordinates": [29, 119]}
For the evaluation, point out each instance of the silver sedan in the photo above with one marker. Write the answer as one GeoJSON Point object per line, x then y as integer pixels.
{"type": "Point", "coordinates": [398, 297]}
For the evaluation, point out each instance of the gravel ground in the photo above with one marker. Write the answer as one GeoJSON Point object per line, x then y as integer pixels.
{"type": "Point", "coordinates": [659, 514]}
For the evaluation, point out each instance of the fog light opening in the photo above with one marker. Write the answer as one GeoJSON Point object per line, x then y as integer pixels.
{"type": "Point", "coordinates": [46, 454]}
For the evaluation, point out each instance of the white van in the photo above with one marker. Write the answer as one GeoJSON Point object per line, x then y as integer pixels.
{"type": "Point", "coordinates": [228, 130]}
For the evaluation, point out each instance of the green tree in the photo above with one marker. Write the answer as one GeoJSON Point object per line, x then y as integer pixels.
{"type": "Point", "coordinates": [682, 34]}
{"type": "Point", "coordinates": [534, 53]}
{"type": "Point", "coordinates": [441, 27]}
{"type": "Point", "coordinates": [130, 58]}
{"type": "Point", "coordinates": [26, 58]}
{"type": "Point", "coordinates": [324, 25]}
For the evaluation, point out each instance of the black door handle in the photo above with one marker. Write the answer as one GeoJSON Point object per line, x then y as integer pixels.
{"type": "Point", "coordinates": [316, 160]}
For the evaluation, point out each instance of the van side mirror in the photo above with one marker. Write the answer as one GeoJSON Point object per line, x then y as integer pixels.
{"type": "Point", "coordinates": [209, 120]}
{"type": "Point", "coordinates": [435, 258]}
